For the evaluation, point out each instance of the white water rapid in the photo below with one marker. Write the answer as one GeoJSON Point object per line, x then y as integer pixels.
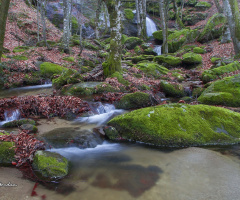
{"type": "Point", "coordinates": [10, 116]}
{"type": "Point", "coordinates": [151, 26]}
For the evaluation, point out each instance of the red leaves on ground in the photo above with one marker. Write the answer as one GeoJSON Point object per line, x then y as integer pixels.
{"type": "Point", "coordinates": [44, 106]}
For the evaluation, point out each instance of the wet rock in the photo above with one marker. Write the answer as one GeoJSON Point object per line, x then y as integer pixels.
{"type": "Point", "coordinates": [17, 123]}
{"type": "Point", "coordinates": [29, 127]}
{"type": "Point", "coordinates": [7, 153]}
{"type": "Point", "coordinates": [67, 137]}
{"type": "Point", "coordinates": [50, 166]}
{"type": "Point", "coordinates": [111, 133]}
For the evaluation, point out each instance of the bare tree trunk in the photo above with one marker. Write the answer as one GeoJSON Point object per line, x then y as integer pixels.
{"type": "Point", "coordinates": [66, 26]}
{"type": "Point", "coordinates": [141, 18]}
{"type": "Point", "coordinates": [219, 8]}
{"type": "Point", "coordinates": [233, 17]}
{"type": "Point", "coordinates": [38, 20]}
{"type": "Point", "coordinates": [178, 19]}
{"type": "Point", "coordinates": [98, 12]}
{"type": "Point", "coordinates": [80, 24]}
{"type": "Point", "coordinates": [164, 25]}
{"type": "Point", "coordinates": [4, 5]}
{"type": "Point", "coordinates": [70, 18]}
{"type": "Point", "coordinates": [113, 63]}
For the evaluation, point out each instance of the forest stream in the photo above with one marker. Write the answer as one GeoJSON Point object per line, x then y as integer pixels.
{"type": "Point", "coordinates": [128, 170]}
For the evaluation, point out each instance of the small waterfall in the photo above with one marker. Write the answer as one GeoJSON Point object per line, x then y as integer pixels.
{"type": "Point", "coordinates": [158, 49]}
{"type": "Point", "coordinates": [151, 26]}
{"type": "Point", "coordinates": [10, 115]}
{"type": "Point", "coordinates": [100, 113]}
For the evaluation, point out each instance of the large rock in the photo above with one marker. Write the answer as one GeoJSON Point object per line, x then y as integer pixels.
{"type": "Point", "coordinates": [48, 69]}
{"type": "Point", "coordinates": [168, 60]}
{"type": "Point", "coordinates": [179, 125]}
{"type": "Point", "coordinates": [7, 153]}
{"type": "Point", "coordinates": [172, 89]}
{"type": "Point", "coordinates": [49, 165]}
{"type": "Point", "coordinates": [152, 69]}
{"type": "Point", "coordinates": [132, 42]}
{"type": "Point", "coordinates": [223, 92]}
{"type": "Point", "coordinates": [67, 137]}
{"type": "Point", "coordinates": [192, 59]}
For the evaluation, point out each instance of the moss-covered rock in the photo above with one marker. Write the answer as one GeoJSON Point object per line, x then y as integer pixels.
{"type": "Point", "coordinates": [191, 3]}
{"type": "Point", "coordinates": [29, 127]}
{"type": "Point", "coordinates": [7, 153]}
{"type": "Point", "coordinates": [49, 165]}
{"type": "Point", "coordinates": [19, 57]}
{"type": "Point", "coordinates": [152, 69]}
{"type": "Point", "coordinates": [223, 92]}
{"type": "Point", "coordinates": [134, 100]}
{"type": "Point", "coordinates": [158, 35]}
{"type": "Point", "coordinates": [172, 89]}
{"type": "Point", "coordinates": [179, 125]}
{"type": "Point", "coordinates": [193, 18]}
{"type": "Point", "coordinates": [137, 59]}
{"type": "Point", "coordinates": [70, 59]}
{"type": "Point", "coordinates": [168, 60]}
{"type": "Point", "coordinates": [49, 69]}
{"type": "Point", "coordinates": [192, 59]}
{"type": "Point", "coordinates": [105, 88]}
{"type": "Point", "coordinates": [199, 50]}
{"type": "Point", "coordinates": [69, 76]}
{"type": "Point", "coordinates": [132, 42]}
{"type": "Point", "coordinates": [17, 123]}
{"type": "Point", "coordinates": [213, 29]}
{"type": "Point", "coordinates": [213, 74]}
{"type": "Point", "coordinates": [128, 13]}
{"type": "Point", "coordinates": [43, 44]}
{"type": "Point", "coordinates": [202, 5]}
{"type": "Point", "coordinates": [214, 60]}
{"type": "Point", "coordinates": [120, 78]}
{"type": "Point", "coordinates": [178, 38]}
{"type": "Point", "coordinates": [149, 51]}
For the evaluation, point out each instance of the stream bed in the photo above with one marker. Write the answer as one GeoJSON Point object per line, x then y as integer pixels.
{"type": "Point", "coordinates": [130, 170]}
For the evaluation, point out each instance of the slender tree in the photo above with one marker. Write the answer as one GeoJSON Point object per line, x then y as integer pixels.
{"type": "Point", "coordinates": [113, 62]}
{"type": "Point", "coordinates": [141, 18]}
{"type": "Point", "coordinates": [233, 17]}
{"type": "Point", "coordinates": [219, 7]}
{"type": "Point", "coordinates": [162, 9]}
{"type": "Point", "coordinates": [66, 25]}
{"type": "Point", "coordinates": [179, 22]}
{"type": "Point", "coordinates": [98, 12]}
{"type": "Point", "coordinates": [4, 5]}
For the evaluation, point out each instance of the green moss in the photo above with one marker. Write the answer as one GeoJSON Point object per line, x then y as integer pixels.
{"type": "Point", "coordinates": [223, 92]}
{"type": "Point", "coordinates": [213, 74]}
{"type": "Point", "coordinates": [202, 5]}
{"type": "Point", "coordinates": [172, 90]}
{"type": "Point", "coordinates": [48, 69]}
{"type": "Point", "coordinates": [50, 165]}
{"type": "Point", "coordinates": [128, 13]}
{"type": "Point", "coordinates": [179, 77]}
{"type": "Point", "coordinates": [132, 42]}
{"type": "Point", "coordinates": [42, 43]}
{"type": "Point", "coordinates": [7, 153]}
{"type": "Point", "coordinates": [192, 59]}
{"type": "Point", "coordinates": [134, 100]}
{"type": "Point", "coordinates": [137, 59]}
{"type": "Point", "coordinates": [158, 35]}
{"type": "Point", "coordinates": [20, 49]}
{"type": "Point", "coordinates": [197, 92]}
{"type": "Point", "coordinates": [198, 50]}
{"type": "Point", "coordinates": [138, 50]}
{"type": "Point", "coordinates": [69, 76]}
{"type": "Point", "coordinates": [70, 59]}
{"type": "Point", "coordinates": [90, 46]}
{"type": "Point", "coordinates": [105, 88]}
{"type": "Point", "coordinates": [191, 2]}
{"type": "Point", "coordinates": [152, 69]}
{"type": "Point", "coordinates": [168, 60]}
{"type": "Point", "coordinates": [120, 78]}
{"type": "Point", "coordinates": [19, 57]}
{"type": "Point", "coordinates": [193, 18]}
{"type": "Point", "coordinates": [214, 60]}
{"type": "Point", "coordinates": [213, 29]}
{"type": "Point", "coordinates": [17, 123]}
{"type": "Point", "coordinates": [179, 125]}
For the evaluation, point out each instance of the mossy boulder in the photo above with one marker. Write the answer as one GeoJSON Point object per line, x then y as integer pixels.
{"type": "Point", "coordinates": [193, 18]}
{"type": "Point", "coordinates": [191, 59]}
{"type": "Point", "coordinates": [172, 89]}
{"type": "Point", "coordinates": [19, 57]}
{"type": "Point", "coordinates": [29, 127]}
{"type": "Point", "coordinates": [137, 59]}
{"type": "Point", "coordinates": [202, 5]}
{"type": "Point", "coordinates": [48, 69]}
{"type": "Point", "coordinates": [158, 35]}
{"type": "Point", "coordinates": [132, 42]}
{"type": "Point", "coordinates": [70, 59]}
{"type": "Point", "coordinates": [178, 125]}
{"type": "Point", "coordinates": [20, 49]}
{"type": "Point", "coordinates": [120, 78]}
{"type": "Point", "coordinates": [213, 29]}
{"type": "Point", "coordinates": [43, 44]}
{"type": "Point", "coordinates": [7, 153]}
{"type": "Point", "coordinates": [213, 74]}
{"type": "Point", "coordinates": [178, 38]}
{"type": "Point", "coordinates": [168, 60]}
{"type": "Point", "coordinates": [215, 60]}
{"type": "Point", "coordinates": [17, 123]}
{"type": "Point", "coordinates": [105, 88]}
{"type": "Point", "coordinates": [49, 165]}
{"type": "Point", "coordinates": [128, 13]}
{"type": "Point", "coordinates": [223, 92]}
{"type": "Point", "coordinates": [191, 3]}
{"type": "Point", "coordinates": [134, 100]}
{"type": "Point", "coordinates": [69, 76]}
{"type": "Point", "coordinates": [152, 69]}
{"type": "Point", "coordinates": [199, 50]}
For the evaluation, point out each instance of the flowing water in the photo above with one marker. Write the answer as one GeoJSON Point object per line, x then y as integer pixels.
{"type": "Point", "coordinates": [131, 171]}
{"type": "Point", "coordinates": [151, 26]}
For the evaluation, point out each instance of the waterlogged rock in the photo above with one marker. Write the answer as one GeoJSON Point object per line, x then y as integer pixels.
{"type": "Point", "coordinates": [179, 125]}
{"type": "Point", "coordinates": [17, 123]}
{"type": "Point", "coordinates": [7, 153]}
{"type": "Point", "coordinates": [49, 165]}
{"type": "Point", "coordinates": [134, 100]}
{"type": "Point", "coordinates": [223, 92]}
{"type": "Point", "coordinates": [29, 127]}
{"type": "Point", "coordinates": [70, 137]}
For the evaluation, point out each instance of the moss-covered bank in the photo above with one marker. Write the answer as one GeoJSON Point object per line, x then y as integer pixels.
{"type": "Point", "coordinates": [179, 125]}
